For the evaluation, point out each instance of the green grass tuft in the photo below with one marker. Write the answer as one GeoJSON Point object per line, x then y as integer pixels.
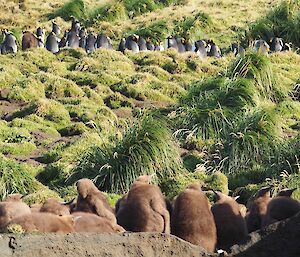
{"type": "Point", "coordinates": [74, 8]}
{"type": "Point", "coordinates": [191, 27]}
{"type": "Point", "coordinates": [281, 21]}
{"type": "Point", "coordinates": [15, 178]}
{"type": "Point", "coordinates": [110, 12]}
{"type": "Point", "coordinates": [146, 148]}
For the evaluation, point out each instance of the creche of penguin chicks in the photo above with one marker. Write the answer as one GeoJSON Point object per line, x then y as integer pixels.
{"type": "Point", "coordinates": [190, 215]}
{"type": "Point", "coordinates": [78, 37]}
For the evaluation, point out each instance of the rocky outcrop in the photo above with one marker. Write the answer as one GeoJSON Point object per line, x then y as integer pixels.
{"type": "Point", "coordinates": [116, 245]}
{"type": "Point", "coordinates": [281, 239]}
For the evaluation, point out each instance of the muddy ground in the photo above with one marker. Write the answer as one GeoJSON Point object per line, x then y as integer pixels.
{"type": "Point", "coordinates": [278, 240]}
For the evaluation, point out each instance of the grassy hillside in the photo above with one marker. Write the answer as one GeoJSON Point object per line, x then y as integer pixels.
{"type": "Point", "coordinates": [117, 18]}
{"type": "Point", "coordinates": [110, 116]}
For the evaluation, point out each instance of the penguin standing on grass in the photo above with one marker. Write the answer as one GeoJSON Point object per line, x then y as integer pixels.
{"type": "Point", "coordinates": [51, 43]}
{"type": "Point", "coordinates": [261, 46]}
{"type": "Point", "coordinates": [9, 44]}
{"type": "Point", "coordinates": [132, 43]}
{"type": "Point", "coordinates": [72, 39]}
{"type": "Point", "coordinates": [90, 45]}
{"type": "Point", "coordinates": [40, 34]}
{"type": "Point", "coordinates": [188, 45]}
{"type": "Point", "coordinates": [142, 44]}
{"type": "Point", "coordinates": [276, 44]}
{"type": "Point", "coordinates": [82, 37]}
{"type": "Point", "coordinates": [237, 49]}
{"type": "Point", "coordinates": [214, 50]}
{"type": "Point", "coordinates": [122, 46]}
{"type": "Point", "coordinates": [150, 46]}
{"type": "Point", "coordinates": [172, 43]}
{"type": "Point", "coordinates": [63, 41]}
{"type": "Point", "coordinates": [200, 48]}
{"type": "Point", "coordinates": [181, 45]}
{"type": "Point", "coordinates": [55, 29]}
{"type": "Point", "coordinates": [103, 41]}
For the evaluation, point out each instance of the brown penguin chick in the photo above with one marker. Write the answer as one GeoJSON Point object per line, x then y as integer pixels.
{"type": "Point", "coordinates": [192, 219]}
{"type": "Point", "coordinates": [231, 225]}
{"type": "Point", "coordinates": [90, 199]}
{"type": "Point", "coordinates": [54, 206]}
{"type": "Point", "coordinates": [29, 40]}
{"type": "Point", "coordinates": [281, 208]}
{"type": "Point", "coordinates": [92, 223]}
{"type": "Point", "coordinates": [258, 209]}
{"type": "Point", "coordinates": [145, 179]}
{"type": "Point", "coordinates": [10, 210]}
{"type": "Point", "coordinates": [14, 198]}
{"type": "Point", "coordinates": [143, 209]}
{"type": "Point", "coordinates": [45, 222]}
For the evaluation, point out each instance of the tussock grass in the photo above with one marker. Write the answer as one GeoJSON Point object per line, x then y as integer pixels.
{"type": "Point", "coordinates": [242, 119]}
{"type": "Point", "coordinates": [281, 21]}
{"type": "Point", "coordinates": [109, 12]}
{"type": "Point", "coordinates": [74, 8]}
{"type": "Point", "coordinates": [210, 107]}
{"type": "Point", "coordinates": [257, 67]}
{"type": "Point", "coordinates": [146, 148]}
{"type": "Point", "coordinates": [157, 31]}
{"type": "Point", "coordinates": [191, 27]}
{"type": "Point", "coordinates": [254, 141]}
{"type": "Point", "coordinates": [15, 178]}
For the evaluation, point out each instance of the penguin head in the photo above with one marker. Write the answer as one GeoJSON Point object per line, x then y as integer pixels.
{"type": "Point", "coordinates": [40, 31]}
{"type": "Point", "coordinates": [135, 37]}
{"type": "Point", "coordinates": [5, 32]}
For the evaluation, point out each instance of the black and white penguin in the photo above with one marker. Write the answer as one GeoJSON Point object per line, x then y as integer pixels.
{"type": "Point", "coordinates": [237, 49]}
{"type": "Point", "coordinates": [150, 46]}
{"type": "Point", "coordinates": [172, 43]}
{"type": "Point", "coordinates": [103, 41]}
{"type": "Point", "coordinates": [276, 44]}
{"type": "Point", "coordinates": [9, 44]}
{"type": "Point", "coordinates": [72, 40]}
{"type": "Point", "coordinates": [82, 37]}
{"type": "Point", "coordinates": [55, 29]}
{"type": "Point", "coordinates": [214, 50]}
{"type": "Point", "coordinates": [142, 44]}
{"type": "Point", "coordinates": [200, 48]}
{"type": "Point", "coordinates": [51, 43]}
{"type": "Point", "coordinates": [90, 45]}
{"type": "Point", "coordinates": [122, 46]}
{"type": "Point", "coordinates": [261, 46]}
{"type": "Point", "coordinates": [132, 43]}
